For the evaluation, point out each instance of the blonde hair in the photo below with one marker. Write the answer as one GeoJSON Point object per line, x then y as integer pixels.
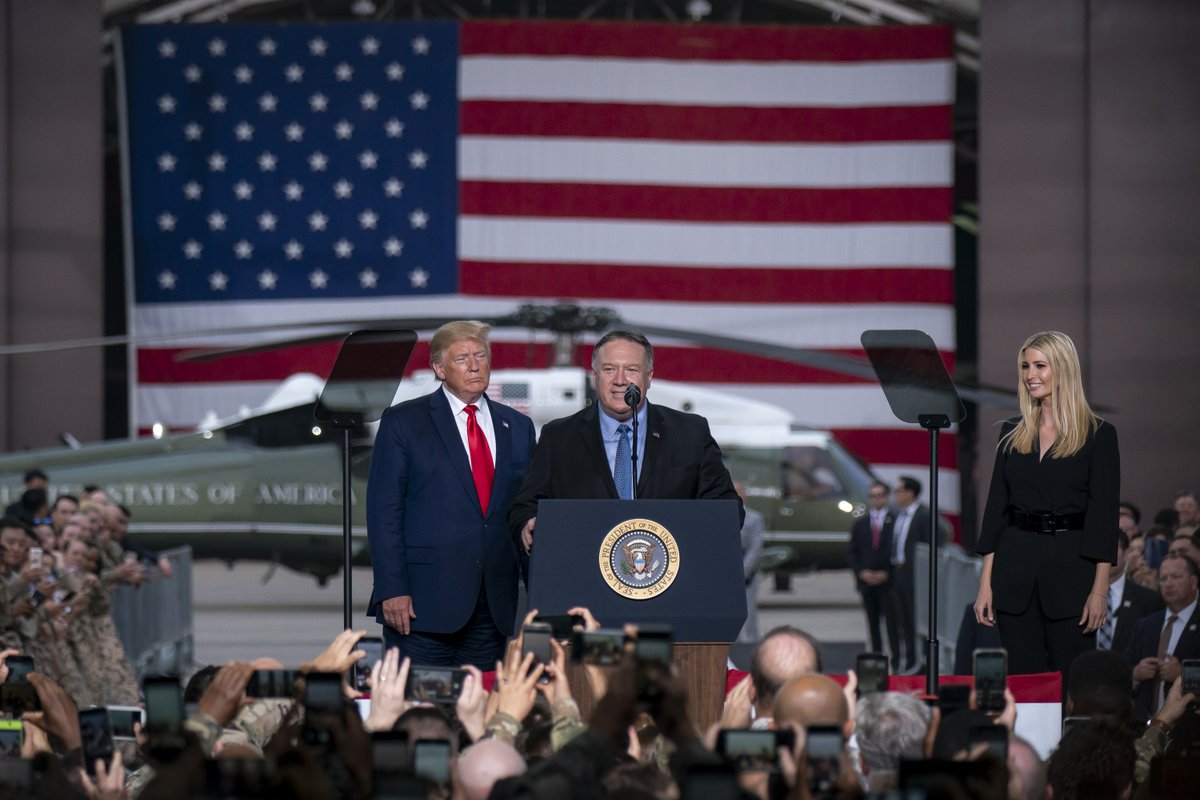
{"type": "Point", "coordinates": [1074, 419]}
{"type": "Point", "coordinates": [457, 331]}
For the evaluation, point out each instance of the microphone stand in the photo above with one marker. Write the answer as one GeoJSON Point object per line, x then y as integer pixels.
{"type": "Point", "coordinates": [633, 398]}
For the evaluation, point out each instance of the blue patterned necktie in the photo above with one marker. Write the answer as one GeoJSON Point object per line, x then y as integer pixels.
{"type": "Point", "coordinates": [622, 468]}
{"type": "Point", "coordinates": [1104, 634]}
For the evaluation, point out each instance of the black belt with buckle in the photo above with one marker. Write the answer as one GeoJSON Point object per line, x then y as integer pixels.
{"type": "Point", "coordinates": [1045, 521]}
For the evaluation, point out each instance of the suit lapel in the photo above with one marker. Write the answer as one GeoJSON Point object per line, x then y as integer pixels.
{"type": "Point", "coordinates": [443, 422]}
{"type": "Point", "coordinates": [503, 432]}
{"type": "Point", "coordinates": [1189, 640]}
{"type": "Point", "coordinates": [653, 450]}
{"type": "Point", "coordinates": [589, 433]}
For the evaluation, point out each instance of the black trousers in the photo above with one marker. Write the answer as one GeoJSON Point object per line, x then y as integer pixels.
{"type": "Point", "coordinates": [875, 600]}
{"type": "Point", "coordinates": [901, 608]}
{"type": "Point", "coordinates": [1037, 643]}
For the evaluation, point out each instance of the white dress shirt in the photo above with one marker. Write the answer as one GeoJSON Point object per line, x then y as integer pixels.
{"type": "Point", "coordinates": [483, 416]}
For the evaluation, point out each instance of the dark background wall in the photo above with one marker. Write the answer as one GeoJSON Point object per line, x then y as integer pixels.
{"type": "Point", "coordinates": [1089, 190]}
{"type": "Point", "coordinates": [51, 238]}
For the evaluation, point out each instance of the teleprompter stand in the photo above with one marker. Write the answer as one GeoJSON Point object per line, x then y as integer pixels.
{"type": "Point", "coordinates": [360, 387]}
{"type": "Point", "coordinates": [919, 390]}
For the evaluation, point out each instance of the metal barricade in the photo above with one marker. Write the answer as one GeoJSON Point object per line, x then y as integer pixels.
{"type": "Point", "coordinates": [154, 620]}
{"type": "Point", "coordinates": [958, 585]}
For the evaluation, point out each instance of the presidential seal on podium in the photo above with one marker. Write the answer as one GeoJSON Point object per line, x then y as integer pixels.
{"type": "Point", "coordinates": [639, 559]}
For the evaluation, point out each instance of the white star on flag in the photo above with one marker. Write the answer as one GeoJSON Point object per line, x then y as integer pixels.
{"type": "Point", "coordinates": [395, 71]}
{"type": "Point", "coordinates": [343, 189]}
{"type": "Point", "coordinates": [317, 46]}
{"type": "Point", "coordinates": [243, 190]}
{"type": "Point", "coordinates": [267, 161]}
{"type": "Point", "coordinates": [293, 191]}
{"type": "Point", "coordinates": [393, 187]}
{"type": "Point", "coordinates": [166, 48]}
{"type": "Point", "coordinates": [342, 248]}
{"type": "Point", "coordinates": [293, 250]}
{"type": "Point", "coordinates": [193, 131]}
{"type": "Point", "coordinates": [216, 162]}
{"type": "Point", "coordinates": [318, 102]}
{"type": "Point", "coordinates": [192, 249]}
{"type": "Point", "coordinates": [267, 221]}
{"type": "Point", "coordinates": [266, 46]}
{"type": "Point", "coordinates": [343, 129]}
{"type": "Point", "coordinates": [417, 159]}
{"type": "Point", "coordinates": [294, 132]}
{"type": "Point", "coordinates": [166, 104]}
{"type": "Point", "coordinates": [192, 190]}
{"type": "Point", "coordinates": [166, 279]}
{"type": "Point", "coordinates": [369, 101]}
{"type": "Point", "coordinates": [217, 103]}
{"type": "Point", "coordinates": [419, 101]}
{"type": "Point", "coordinates": [192, 73]}
{"type": "Point", "coordinates": [244, 131]}
{"type": "Point", "coordinates": [419, 278]}
{"type": "Point", "coordinates": [166, 162]}
{"type": "Point", "coordinates": [418, 219]}
{"type": "Point", "coordinates": [268, 103]}
{"type": "Point", "coordinates": [343, 71]}
{"type": "Point", "coordinates": [394, 128]}
{"type": "Point", "coordinates": [216, 221]}
{"type": "Point", "coordinates": [317, 221]}
{"type": "Point", "coordinates": [318, 161]}
{"type": "Point", "coordinates": [318, 279]}
{"type": "Point", "coordinates": [217, 281]}
{"type": "Point", "coordinates": [243, 249]}
{"type": "Point", "coordinates": [367, 159]}
{"type": "Point", "coordinates": [368, 219]}
{"type": "Point", "coordinates": [294, 73]}
{"type": "Point", "coordinates": [267, 279]}
{"type": "Point", "coordinates": [420, 45]}
{"type": "Point", "coordinates": [370, 46]}
{"type": "Point", "coordinates": [368, 278]}
{"type": "Point", "coordinates": [393, 247]}
{"type": "Point", "coordinates": [243, 74]}
{"type": "Point", "coordinates": [166, 222]}
{"type": "Point", "coordinates": [216, 48]}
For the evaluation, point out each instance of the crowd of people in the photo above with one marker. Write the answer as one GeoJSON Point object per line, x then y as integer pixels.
{"type": "Point", "coordinates": [786, 730]}
{"type": "Point", "coordinates": [61, 560]}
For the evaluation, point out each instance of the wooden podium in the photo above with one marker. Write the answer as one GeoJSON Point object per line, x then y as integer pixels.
{"type": "Point", "coordinates": [674, 562]}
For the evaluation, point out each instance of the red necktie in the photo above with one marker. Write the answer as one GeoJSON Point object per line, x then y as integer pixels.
{"type": "Point", "coordinates": [482, 467]}
{"type": "Point", "coordinates": [875, 531]}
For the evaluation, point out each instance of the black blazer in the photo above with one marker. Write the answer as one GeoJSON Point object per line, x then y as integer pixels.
{"type": "Point", "coordinates": [861, 556]}
{"type": "Point", "coordinates": [1136, 602]}
{"type": "Point", "coordinates": [681, 462]}
{"type": "Point", "coordinates": [1145, 645]}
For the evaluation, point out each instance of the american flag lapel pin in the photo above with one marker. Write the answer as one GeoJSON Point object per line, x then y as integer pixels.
{"type": "Point", "coordinates": [656, 435]}
{"type": "Point", "coordinates": [505, 424]}
{"type": "Point", "coordinates": [1127, 604]}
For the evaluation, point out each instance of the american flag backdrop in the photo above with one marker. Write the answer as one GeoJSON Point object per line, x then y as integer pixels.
{"type": "Point", "coordinates": [785, 184]}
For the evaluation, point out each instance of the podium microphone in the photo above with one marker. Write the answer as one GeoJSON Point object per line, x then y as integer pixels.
{"type": "Point", "coordinates": [633, 398]}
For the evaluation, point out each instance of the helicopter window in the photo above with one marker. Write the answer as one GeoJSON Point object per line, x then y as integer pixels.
{"type": "Point", "coordinates": [810, 474]}
{"type": "Point", "coordinates": [289, 427]}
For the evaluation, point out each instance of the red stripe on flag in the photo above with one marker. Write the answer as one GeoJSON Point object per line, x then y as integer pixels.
{"type": "Point", "coordinates": [709, 284]}
{"type": "Point", "coordinates": [663, 41]}
{"type": "Point", "coordinates": [705, 123]}
{"type": "Point", "coordinates": [895, 446]}
{"type": "Point", "coordinates": [691, 364]}
{"type": "Point", "coordinates": [704, 203]}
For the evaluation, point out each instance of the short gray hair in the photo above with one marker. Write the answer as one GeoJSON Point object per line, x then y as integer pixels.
{"type": "Point", "coordinates": [629, 336]}
{"type": "Point", "coordinates": [890, 727]}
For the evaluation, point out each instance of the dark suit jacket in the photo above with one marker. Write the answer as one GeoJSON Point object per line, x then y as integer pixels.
{"type": "Point", "coordinates": [1136, 602]}
{"type": "Point", "coordinates": [681, 462]}
{"type": "Point", "coordinates": [1145, 645]}
{"type": "Point", "coordinates": [862, 556]}
{"type": "Point", "coordinates": [427, 533]}
{"type": "Point", "coordinates": [918, 531]}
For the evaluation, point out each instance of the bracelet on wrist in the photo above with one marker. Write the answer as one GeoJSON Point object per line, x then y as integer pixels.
{"type": "Point", "coordinates": [1166, 726]}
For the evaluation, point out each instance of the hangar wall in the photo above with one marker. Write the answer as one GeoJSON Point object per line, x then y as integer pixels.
{"type": "Point", "coordinates": [1089, 188]}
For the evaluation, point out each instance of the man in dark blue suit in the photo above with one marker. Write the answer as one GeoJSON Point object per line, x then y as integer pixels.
{"type": "Point", "coordinates": [444, 471]}
{"type": "Point", "coordinates": [870, 554]}
{"type": "Point", "coordinates": [1162, 640]}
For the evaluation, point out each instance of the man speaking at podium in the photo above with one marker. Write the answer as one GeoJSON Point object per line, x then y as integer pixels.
{"type": "Point", "coordinates": [587, 456]}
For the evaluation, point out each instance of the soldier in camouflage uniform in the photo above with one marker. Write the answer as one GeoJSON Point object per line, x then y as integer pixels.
{"type": "Point", "coordinates": [119, 684]}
